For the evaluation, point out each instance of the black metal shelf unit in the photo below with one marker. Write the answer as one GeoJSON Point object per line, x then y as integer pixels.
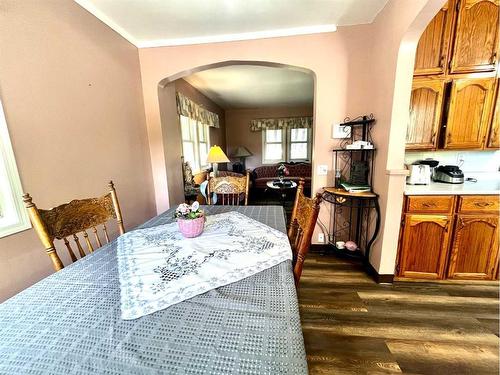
{"type": "Point", "coordinates": [352, 217]}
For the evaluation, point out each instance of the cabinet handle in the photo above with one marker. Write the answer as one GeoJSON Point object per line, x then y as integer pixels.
{"type": "Point", "coordinates": [493, 58]}
{"type": "Point", "coordinates": [448, 137]}
{"type": "Point", "coordinates": [433, 137]}
{"type": "Point", "coordinates": [442, 62]}
{"type": "Point", "coordinates": [429, 204]}
{"type": "Point", "coordinates": [482, 204]}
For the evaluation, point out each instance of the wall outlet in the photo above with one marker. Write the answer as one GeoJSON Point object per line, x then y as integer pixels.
{"type": "Point", "coordinates": [322, 170]}
{"type": "Point", "coordinates": [321, 238]}
{"type": "Point", "coordinates": [460, 159]}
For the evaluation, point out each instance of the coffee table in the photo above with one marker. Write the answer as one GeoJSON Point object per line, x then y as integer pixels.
{"type": "Point", "coordinates": [281, 188]}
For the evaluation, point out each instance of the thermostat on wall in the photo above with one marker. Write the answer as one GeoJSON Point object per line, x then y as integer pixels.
{"type": "Point", "coordinates": [339, 131]}
{"type": "Point", "coordinates": [322, 170]}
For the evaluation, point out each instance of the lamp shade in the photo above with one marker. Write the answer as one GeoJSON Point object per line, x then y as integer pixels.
{"type": "Point", "coordinates": [216, 155]}
{"type": "Point", "coordinates": [241, 152]}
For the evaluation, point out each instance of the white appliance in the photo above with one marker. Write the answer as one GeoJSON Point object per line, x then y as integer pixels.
{"type": "Point", "coordinates": [420, 174]}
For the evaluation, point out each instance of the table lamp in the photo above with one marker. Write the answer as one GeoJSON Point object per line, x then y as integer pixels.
{"type": "Point", "coordinates": [242, 153]}
{"type": "Point", "coordinates": [216, 155]}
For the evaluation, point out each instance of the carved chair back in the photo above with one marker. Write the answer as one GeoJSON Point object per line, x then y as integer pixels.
{"type": "Point", "coordinates": [66, 221]}
{"type": "Point", "coordinates": [304, 216]}
{"type": "Point", "coordinates": [230, 190]}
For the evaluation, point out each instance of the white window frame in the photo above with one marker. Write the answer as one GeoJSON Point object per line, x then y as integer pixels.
{"type": "Point", "coordinates": [289, 146]}
{"type": "Point", "coordinates": [194, 139]}
{"type": "Point", "coordinates": [13, 215]}
{"type": "Point", "coordinates": [283, 147]}
{"type": "Point", "coordinates": [286, 147]}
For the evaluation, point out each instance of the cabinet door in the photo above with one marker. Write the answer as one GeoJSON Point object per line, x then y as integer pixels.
{"type": "Point", "coordinates": [494, 133]}
{"type": "Point", "coordinates": [476, 36]}
{"type": "Point", "coordinates": [474, 251]}
{"type": "Point", "coordinates": [424, 246]}
{"type": "Point", "coordinates": [425, 114]}
{"type": "Point", "coordinates": [471, 101]}
{"type": "Point", "coordinates": [432, 49]}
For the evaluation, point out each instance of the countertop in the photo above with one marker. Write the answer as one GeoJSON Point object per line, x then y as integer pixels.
{"type": "Point", "coordinates": [487, 184]}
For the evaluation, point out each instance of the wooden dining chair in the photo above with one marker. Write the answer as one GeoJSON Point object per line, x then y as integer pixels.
{"type": "Point", "coordinates": [230, 190]}
{"type": "Point", "coordinates": [73, 218]}
{"type": "Point", "coordinates": [304, 216]}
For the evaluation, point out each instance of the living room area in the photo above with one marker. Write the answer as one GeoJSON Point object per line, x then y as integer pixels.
{"type": "Point", "coordinates": [244, 119]}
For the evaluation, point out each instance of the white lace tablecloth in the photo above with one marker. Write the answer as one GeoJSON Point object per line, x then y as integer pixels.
{"type": "Point", "coordinates": [158, 267]}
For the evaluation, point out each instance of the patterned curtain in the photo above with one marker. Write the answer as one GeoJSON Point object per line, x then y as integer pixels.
{"type": "Point", "coordinates": [281, 123]}
{"type": "Point", "coordinates": [186, 107]}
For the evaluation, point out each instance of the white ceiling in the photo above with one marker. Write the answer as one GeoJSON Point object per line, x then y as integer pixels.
{"type": "Point", "coordinates": [152, 23]}
{"type": "Point", "coordinates": [250, 86]}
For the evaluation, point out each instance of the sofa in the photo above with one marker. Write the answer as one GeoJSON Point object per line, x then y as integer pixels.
{"type": "Point", "coordinates": [261, 175]}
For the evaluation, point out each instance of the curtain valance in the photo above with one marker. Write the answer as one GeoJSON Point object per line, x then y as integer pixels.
{"type": "Point", "coordinates": [280, 123]}
{"type": "Point", "coordinates": [186, 107]}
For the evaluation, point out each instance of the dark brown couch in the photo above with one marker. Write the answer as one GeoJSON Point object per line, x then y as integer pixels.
{"type": "Point", "coordinates": [261, 175]}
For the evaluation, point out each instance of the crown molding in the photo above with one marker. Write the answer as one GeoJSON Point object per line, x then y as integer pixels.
{"type": "Point", "coordinates": [89, 7]}
{"type": "Point", "coordinates": [274, 33]}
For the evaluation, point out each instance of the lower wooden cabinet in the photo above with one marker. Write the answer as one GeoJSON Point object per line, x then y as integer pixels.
{"type": "Point", "coordinates": [424, 246]}
{"type": "Point", "coordinates": [455, 241]}
{"type": "Point", "coordinates": [474, 253]}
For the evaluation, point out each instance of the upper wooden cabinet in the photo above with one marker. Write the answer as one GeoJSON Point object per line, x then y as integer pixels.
{"type": "Point", "coordinates": [432, 49]}
{"type": "Point", "coordinates": [474, 253]}
{"type": "Point", "coordinates": [494, 134]}
{"type": "Point", "coordinates": [425, 114]}
{"type": "Point", "coordinates": [475, 45]}
{"type": "Point", "coordinates": [469, 113]}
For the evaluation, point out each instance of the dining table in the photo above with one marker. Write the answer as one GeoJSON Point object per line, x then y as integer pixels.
{"type": "Point", "coordinates": [70, 322]}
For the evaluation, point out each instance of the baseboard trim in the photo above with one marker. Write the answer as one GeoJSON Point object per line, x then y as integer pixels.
{"type": "Point", "coordinates": [318, 248]}
{"type": "Point", "coordinates": [378, 278]}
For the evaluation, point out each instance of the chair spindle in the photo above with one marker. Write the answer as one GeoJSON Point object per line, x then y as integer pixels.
{"type": "Point", "coordinates": [70, 250]}
{"type": "Point", "coordinates": [97, 239]}
{"type": "Point", "coordinates": [87, 241]}
{"type": "Point", "coordinates": [79, 247]}
{"type": "Point", "coordinates": [105, 230]}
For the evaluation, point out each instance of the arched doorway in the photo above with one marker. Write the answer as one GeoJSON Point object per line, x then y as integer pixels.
{"type": "Point", "coordinates": [171, 128]}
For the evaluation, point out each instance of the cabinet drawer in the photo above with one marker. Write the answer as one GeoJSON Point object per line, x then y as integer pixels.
{"type": "Point", "coordinates": [475, 203]}
{"type": "Point", "coordinates": [430, 203]}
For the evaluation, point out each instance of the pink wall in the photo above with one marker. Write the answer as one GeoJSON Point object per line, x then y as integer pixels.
{"type": "Point", "coordinates": [71, 91]}
{"type": "Point", "coordinates": [358, 70]}
{"type": "Point", "coordinates": [238, 128]}
{"type": "Point", "coordinates": [335, 59]}
{"type": "Point", "coordinates": [396, 32]}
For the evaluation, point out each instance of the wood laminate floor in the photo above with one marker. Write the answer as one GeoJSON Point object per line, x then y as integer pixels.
{"type": "Point", "coordinates": [352, 325]}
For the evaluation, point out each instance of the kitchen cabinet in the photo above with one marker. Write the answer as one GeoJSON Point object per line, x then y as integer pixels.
{"type": "Point", "coordinates": [469, 113]}
{"type": "Point", "coordinates": [448, 237]}
{"type": "Point", "coordinates": [425, 114]}
{"type": "Point", "coordinates": [474, 253]}
{"type": "Point", "coordinates": [432, 50]}
{"type": "Point", "coordinates": [424, 245]}
{"type": "Point", "coordinates": [430, 204]}
{"type": "Point", "coordinates": [459, 48]}
{"type": "Point", "coordinates": [475, 45]}
{"type": "Point", "coordinates": [494, 132]}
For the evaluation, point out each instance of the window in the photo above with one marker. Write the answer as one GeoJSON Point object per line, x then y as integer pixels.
{"type": "Point", "coordinates": [13, 216]}
{"type": "Point", "coordinates": [280, 145]}
{"type": "Point", "coordinates": [195, 143]}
